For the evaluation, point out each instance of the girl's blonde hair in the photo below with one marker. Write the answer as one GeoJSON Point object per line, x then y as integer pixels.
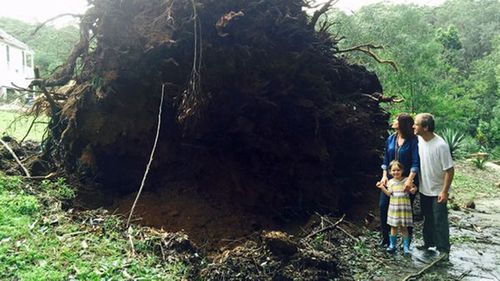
{"type": "Point", "coordinates": [396, 163]}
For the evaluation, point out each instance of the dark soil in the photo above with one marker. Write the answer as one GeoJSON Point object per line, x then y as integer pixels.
{"type": "Point", "coordinates": [262, 125]}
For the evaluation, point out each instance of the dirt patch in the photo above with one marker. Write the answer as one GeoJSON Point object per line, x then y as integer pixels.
{"type": "Point", "coordinates": [210, 223]}
{"type": "Point", "coordinates": [214, 221]}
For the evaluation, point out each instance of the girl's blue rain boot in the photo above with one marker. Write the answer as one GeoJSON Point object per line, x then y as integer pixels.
{"type": "Point", "coordinates": [392, 244]}
{"type": "Point", "coordinates": [406, 245]}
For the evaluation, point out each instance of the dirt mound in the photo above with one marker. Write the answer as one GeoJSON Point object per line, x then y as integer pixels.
{"type": "Point", "coordinates": [27, 153]}
{"type": "Point", "coordinates": [261, 124]}
{"type": "Point", "coordinates": [274, 255]}
{"type": "Point", "coordinates": [267, 261]}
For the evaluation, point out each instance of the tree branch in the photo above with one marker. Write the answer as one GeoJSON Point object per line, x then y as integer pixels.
{"type": "Point", "coordinates": [413, 275]}
{"type": "Point", "coordinates": [66, 72]}
{"type": "Point", "coordinates": [321, 11]}
{"type": "Point", "coordinates": [326, 228]}
{"type": "Point", "coordinates": [15, 157]}
{"type": "Point", "coordinates": [41, 83]}
{"type": "Point", "coordinates": [54, 18]}
{"type": "Point", "coordinates": [366, 48]}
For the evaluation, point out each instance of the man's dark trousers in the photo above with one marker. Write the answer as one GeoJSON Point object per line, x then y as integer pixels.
{"type": "Point", "coordinates": [436, 230]}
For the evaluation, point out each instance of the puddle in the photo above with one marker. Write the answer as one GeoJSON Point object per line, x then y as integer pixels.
{"type": "Point", "coordinates": [474, 256]}
{"type": "Point", "coordinates": [475, 252]}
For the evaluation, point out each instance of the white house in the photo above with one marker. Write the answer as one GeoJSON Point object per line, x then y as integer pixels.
{"type": "Point", "coordinates": [16, 63]}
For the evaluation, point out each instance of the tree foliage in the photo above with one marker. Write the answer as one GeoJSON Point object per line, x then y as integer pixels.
{"type": "Point", "coordinates": [51, 45]}
{"type": "Point", "coordinates": [448, 60]}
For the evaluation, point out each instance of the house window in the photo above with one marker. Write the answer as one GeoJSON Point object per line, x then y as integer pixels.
{"type": "Point", "coordinates": [23, 58]}
{"type": "Point", "coordinates": [7, 49]}
{"type": "Point", "coordinates": [29, 60]}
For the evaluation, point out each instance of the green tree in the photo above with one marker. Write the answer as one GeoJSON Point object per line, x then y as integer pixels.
{"type": "Point", "coordinates": [51, 45]}
{"type": "Point", "coordinates": [448, 60]}
{"type": "Point", "coordinates": [477, 22]}
{"type": "Point", "coordinates": [426, 79]}
{"type": "Point", "coordinates": [484, 89]}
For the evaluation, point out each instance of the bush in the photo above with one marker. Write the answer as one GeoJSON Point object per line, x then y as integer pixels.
{"type": "Point", "coordinates": [468, 147]}
{"type": "Point", "coordinates": [495, 153]}
{"type": "Point", "coordinates": [454, 139]}
{"type": "Point", "coordinates": [479, 160]}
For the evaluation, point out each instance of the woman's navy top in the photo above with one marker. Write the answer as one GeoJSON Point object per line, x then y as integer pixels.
{"type": "Point", "coordinates": [407, 155]}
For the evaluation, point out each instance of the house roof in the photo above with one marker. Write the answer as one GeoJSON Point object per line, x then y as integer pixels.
{"type": "Point", "coordinates": [9, 39]}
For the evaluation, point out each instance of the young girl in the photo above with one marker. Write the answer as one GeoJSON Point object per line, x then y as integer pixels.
{"type": "Point", "coordinates": [399, 214]}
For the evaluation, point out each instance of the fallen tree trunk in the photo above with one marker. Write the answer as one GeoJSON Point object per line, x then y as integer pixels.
{"type": "Point", "coordinates": [260, 115]}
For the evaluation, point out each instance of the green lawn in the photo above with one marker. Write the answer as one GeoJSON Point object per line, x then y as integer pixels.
{"type": "Point", "coordinates": [40, 241]}
{"type": "Point", "coordinates": [16, 125]}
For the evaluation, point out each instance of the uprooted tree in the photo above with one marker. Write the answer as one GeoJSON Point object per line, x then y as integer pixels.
{"type": "Point", "coordinates": [258, 111]}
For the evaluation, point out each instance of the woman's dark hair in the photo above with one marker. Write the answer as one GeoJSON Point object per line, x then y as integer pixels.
{"type": "Point", "coordinates": [405, 122]}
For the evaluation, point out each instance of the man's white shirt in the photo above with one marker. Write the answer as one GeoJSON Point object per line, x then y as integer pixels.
{"type": "Point", "coordinates": [435, 159]}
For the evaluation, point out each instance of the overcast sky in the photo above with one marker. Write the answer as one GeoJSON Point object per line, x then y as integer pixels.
{"type": "Point", "coordinates": [40, 10]}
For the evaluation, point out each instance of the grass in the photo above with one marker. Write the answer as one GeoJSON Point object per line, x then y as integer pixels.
{"type": "Point", "coordinates": [471, 183]}
{"type": "Point", "coordinates": [40, 241]}
{"type": "Point", "coordinates": [16, 125]}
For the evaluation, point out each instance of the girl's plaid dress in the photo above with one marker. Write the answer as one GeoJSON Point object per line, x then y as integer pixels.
{"type": "Point", "coordinates": [399, 213]}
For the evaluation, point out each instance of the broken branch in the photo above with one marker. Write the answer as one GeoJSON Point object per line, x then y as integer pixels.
{"type": "Point", "coordinates": [321, 11]}
{"type": "Point", "coordinates": [15, 157]}
{"type": "Point", "coordinates": [418, 274]}
{"type": "Point", "coordinates": [54, 18]}
{"type": "Point", "coordinates": [366, 48]}
{"type": "Point", "coordinates": [326, 228]}
{"type": "Point", "coordinates": [29, 129]}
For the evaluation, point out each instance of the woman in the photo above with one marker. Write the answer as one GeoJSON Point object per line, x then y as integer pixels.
{"type": "Point", "coordinates": [401, 146]}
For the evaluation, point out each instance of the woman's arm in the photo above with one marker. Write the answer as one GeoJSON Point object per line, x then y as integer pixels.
{"type": "Point", "coordinates": [415, 164]}
{"type": "Point", "coordinates": [386, 160]}
{"type": "Point", "coordinates": [409, 181]}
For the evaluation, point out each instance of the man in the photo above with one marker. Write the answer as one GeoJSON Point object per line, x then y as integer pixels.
{"type": "Point", "coordinates": [436, 175]}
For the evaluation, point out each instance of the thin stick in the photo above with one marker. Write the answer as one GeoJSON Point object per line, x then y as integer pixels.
{"type": "Point", "coordinates": [150, 157]}
{"type": "Point", "coordinates": [54, 18]}
{"type": "Point", "coordinates": [19, 88]}
{"type": "Point", "coordinates": [29, 129]}
{"type": "Point", "coordinates": [464, 274]}
{"type": "Point", "coordinates": [347, 233]}
{"type": "Point", "coordinates": [130, 240]}
{"type": "Point", "coordinates": [74, 234]}
{"type": "Point", "coordinates": [15, 157]}
{"type": "Point", "coordinates": [326, 228]}
{"type": "Point", "coordinates": [413, 275]}
{"type": "Point", "coordinates": [47, 177]}
{"type": "Point", "coordinates": [343, 230]}
{"type": "Point", "coordinates": [321, 11]}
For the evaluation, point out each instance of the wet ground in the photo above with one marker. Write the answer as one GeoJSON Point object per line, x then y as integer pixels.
{"type": "Point", "coordinates": [474, 256]}
{"type": "Point", "coordinates": [476, 242]}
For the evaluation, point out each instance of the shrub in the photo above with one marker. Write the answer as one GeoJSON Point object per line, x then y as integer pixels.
{"type": "Point", "coordinates": [479, 160]}
{"type": "Point", "coordinates": [495, 153]}
{"type": "Point", "coordinates": [468, 147]}
{"type": "Point", "coordinates": [454, 139]}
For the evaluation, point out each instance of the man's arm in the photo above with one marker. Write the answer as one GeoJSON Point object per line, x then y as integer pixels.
{"type": "Point", "coordinates": [448, 178]}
